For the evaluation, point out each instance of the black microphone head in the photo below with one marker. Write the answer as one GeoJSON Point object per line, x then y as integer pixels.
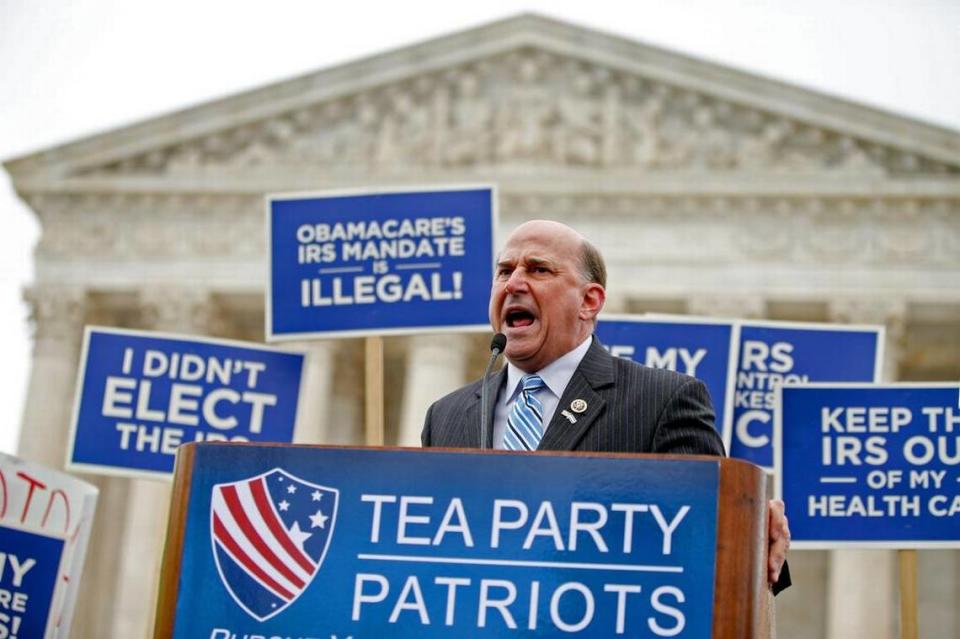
{"type": "Point", "coordinates": [498, 342]}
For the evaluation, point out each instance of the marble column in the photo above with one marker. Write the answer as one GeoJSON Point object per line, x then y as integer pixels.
{"type": "Point", "coordinates": [939, 592]}
{"type": "Point", "coordinates": [345, 414]}
{"type": "Point", "coordinates": [97, 608]}
{"type": "Point", "coordinates": [173, 310]}
{"type": "Point", "coordinates": [57, 314]}
{"type": "Point", "coordinates": [862, 596]}
{"type": "Point", "coordinates": [436, 365]}
{"type": "Point", "coordinates": [316, 390]}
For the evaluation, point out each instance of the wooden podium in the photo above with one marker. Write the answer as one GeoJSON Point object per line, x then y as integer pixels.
{"type": "Point", "coordinates": [211, 579]}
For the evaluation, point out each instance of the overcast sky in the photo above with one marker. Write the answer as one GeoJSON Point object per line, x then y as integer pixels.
{"type": "Point", "coordinates": [71, 68]}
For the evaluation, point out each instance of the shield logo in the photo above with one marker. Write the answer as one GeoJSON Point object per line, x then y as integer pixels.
{"type": "Point", "coordinates": [270, 534]}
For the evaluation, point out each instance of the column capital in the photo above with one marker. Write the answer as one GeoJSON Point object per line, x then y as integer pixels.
{"type": "Point", "coordinates": [57, 314]}
{"type": "Point", "coordinates": [892, 313]}
{"type": "Point", "coordinates": [616, 303]}
{"type": "Point", "coordinates": [728, 306]}
{"type": "Point", "coordinates": [180, 309]}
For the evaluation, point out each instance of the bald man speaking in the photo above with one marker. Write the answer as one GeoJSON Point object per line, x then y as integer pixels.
{"type": "Point", "coordinates": [560, 389]}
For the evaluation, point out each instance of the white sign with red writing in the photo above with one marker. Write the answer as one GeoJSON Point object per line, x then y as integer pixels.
{"type": "Point", "coordinates": [45, 522]}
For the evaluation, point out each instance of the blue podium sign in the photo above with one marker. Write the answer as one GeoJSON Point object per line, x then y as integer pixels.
{"type": "Point", "coordinates": [870, 465]}
{"type": "Point", "coordinates": [28, 580]}
{"type": "Point", "coordinates": [140, 395]}
{"type": "Point", "coordinates": [703, 349]}
{"type": "Point", "coordinates": [335, 542]}
{"type": "Point", "coordinates": [774, 353]}
{"type": "Point", "coordinates": [348, 264]}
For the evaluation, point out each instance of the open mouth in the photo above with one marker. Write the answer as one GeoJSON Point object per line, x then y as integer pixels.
{"type": "Point", "coordinates": [519, 318]}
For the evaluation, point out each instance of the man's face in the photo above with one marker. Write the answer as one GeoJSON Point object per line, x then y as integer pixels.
{"type": "Point", "coordinates": [540, 300]}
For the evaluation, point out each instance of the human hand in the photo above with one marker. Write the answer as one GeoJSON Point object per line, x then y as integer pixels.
{"type": "Point", "coordinates": [779, 536]}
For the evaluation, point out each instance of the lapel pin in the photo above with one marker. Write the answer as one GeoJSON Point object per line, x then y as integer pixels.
{"type": "Point", "coordinates": [578, 406]}
{"type": "Point", "coordinates": [569, 416]}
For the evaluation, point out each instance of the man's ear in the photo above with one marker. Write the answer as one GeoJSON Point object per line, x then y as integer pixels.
{"type": "Point", "coordinates": [594, 297]}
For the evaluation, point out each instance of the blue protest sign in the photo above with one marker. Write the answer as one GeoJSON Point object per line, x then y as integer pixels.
{"type": "Point", "coordinates": [28, 579]}
{"type": "Point", "coordinates": [774, 353]}
{"type": "Point", "coordinates": [333, 542]}
{"type": "Point", "coordinates": [140, 395]}
{"type": "Point", "coordinates": [703, 349]}
{"type": "Point", "coordinates": [347, 264]}
{"type": "Point", "coordinates": [870, 465]}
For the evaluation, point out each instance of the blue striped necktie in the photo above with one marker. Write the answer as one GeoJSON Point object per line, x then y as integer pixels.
{"type": "Point", "coordinates": [525, 421]}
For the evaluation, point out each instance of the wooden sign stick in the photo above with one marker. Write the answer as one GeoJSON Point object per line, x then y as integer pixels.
{"type": "Point", "coordinates": [373, 408]}
{"type": "Point", "coordinates": [908, 594]}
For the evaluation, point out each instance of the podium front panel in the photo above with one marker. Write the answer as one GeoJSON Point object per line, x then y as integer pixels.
{"type": "Point", "coordinates": [312, 541]}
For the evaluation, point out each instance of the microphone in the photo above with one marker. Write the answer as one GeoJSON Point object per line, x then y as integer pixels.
{"type": "Point", "coordinates": [497, 344]}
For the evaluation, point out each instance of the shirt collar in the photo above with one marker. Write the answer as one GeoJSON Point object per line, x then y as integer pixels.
{"type": "Point", "coordinates": [556, 374]}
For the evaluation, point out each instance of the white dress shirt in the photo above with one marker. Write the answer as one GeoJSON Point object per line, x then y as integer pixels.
{"type": "Point", "coordinates": [556, 375]}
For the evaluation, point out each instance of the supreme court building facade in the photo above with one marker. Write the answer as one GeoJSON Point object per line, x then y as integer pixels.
{"type": "Point", "coordinates": [710, 191]}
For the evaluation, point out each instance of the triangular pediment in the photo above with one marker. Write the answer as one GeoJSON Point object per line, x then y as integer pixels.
{"type": "Point", "coordinates": [523, 93]}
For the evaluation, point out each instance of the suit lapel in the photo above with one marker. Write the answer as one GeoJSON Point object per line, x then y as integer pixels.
{"type": "Point", "coordinates": [581, 405]}
{"type": "Point", "coordinates": [471, 414]}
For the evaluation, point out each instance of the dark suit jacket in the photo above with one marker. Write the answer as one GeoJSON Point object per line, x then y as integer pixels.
{"type": "Point", "coordinates": [630, 409]}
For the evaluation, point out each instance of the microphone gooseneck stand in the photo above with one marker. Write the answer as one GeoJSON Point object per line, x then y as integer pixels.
{"type": "Point", "coordinates": [497, 344]}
